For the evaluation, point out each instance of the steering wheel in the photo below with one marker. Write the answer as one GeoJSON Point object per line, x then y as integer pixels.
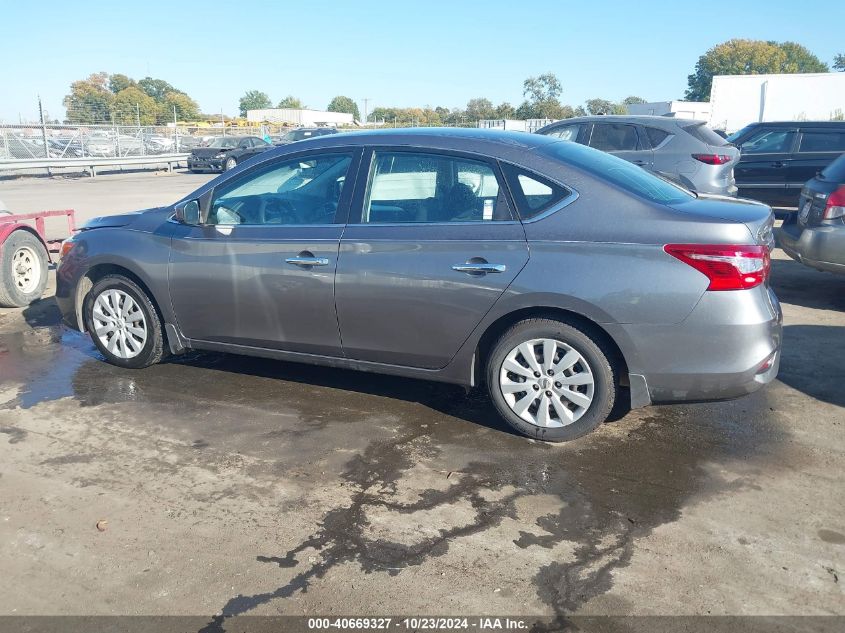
{"type": "Point", "coordinates": [278, 211]}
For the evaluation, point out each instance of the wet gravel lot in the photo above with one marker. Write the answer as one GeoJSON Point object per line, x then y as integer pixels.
{"type": "Point", "coordinates": [231, 485]}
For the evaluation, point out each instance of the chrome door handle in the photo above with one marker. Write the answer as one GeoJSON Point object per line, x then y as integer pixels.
{"type": "Point", "coordinates": [479, 269]}
{"type": "Point", "coordinates": [307, 261]}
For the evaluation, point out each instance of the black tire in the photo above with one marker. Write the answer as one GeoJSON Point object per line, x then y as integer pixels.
{"type": "Point", "coordinates": [230, 163]}
{"type": "Point", "coordinates": [22, 243]}
{"type": "Point", "coordinates": [153, 349]}
{"type": "Point", "coordinates": [579, 339]}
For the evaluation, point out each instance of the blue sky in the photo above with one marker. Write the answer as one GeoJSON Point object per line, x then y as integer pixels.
{"type": "Point", "coordinates": [396, 53]}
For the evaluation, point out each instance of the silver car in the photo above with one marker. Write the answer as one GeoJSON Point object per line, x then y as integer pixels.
{"type": "Point", "coordinates": [684, 151]}
{"type": "Point", "coordinates": [562, 278]}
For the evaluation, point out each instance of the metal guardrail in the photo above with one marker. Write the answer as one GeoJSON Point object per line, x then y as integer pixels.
{"type": "Point", "coordinates": [91, 162]}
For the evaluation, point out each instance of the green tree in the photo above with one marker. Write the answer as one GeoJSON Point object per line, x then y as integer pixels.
{"type": "Point", "coordinates": [186, 108]}
{"type": "Point", "coordinates": [131, 105]}
{"type": "Point", "coordinates": [156, 88]}
{"type": "Point", "coordinates": [839, 62]}
{"type": "Point", "coordinates": [749, 57]}
{"type": "Point", "coordinates": [90, 100]}
{"type": "Point", "coordinates": [545, 87]}
{"type": "Point", "coordinates": [291, 102]}
{"type": "Point", "coordinates": [505, 111]}
{"type": "Point", "coordinates": [118, 82]}
{"type": "Point", "coordinates": [543, 99]}
{"type": "Point", "coordinates": [344, 104]}
{"type": "Point", "coordinates": [480, 108]}
{"type": "Point", "coordinates": [254, 100]}
{"type": "Point", "coordinates": [632, 100]}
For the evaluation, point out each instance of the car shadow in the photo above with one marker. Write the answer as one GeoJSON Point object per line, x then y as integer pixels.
{"type": "Point", "coordinates": [811, 361]}
{"type": "Point", "coordinates": [42, 313]}
{"type": "Point", "coordinates": [800, 285]}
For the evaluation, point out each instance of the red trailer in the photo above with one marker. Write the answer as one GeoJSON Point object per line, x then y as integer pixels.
{"type": "Point", "coordinates": [26, 254]}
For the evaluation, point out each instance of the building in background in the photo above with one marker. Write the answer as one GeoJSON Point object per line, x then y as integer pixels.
{"type": "Point", "coordinates": [307, 118]}
{"type": "Point", "coordinates": [698, 110]}
{"type": "Point", "coordinates": [737, 100]}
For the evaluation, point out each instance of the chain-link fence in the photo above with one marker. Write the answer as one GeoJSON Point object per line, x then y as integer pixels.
{"type": "Point", "coordinates": [109, 141]}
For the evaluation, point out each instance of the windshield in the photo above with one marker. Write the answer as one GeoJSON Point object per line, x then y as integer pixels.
{"type": "Point", "coordinates": [739, 134]}
{"type": "Point", "coordinates": [224, 141]}
{"type": "Point", "coordinates": [621, 173]}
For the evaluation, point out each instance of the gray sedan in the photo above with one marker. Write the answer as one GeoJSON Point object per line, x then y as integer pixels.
{"type": "Point", "coordinates": [560, 277]}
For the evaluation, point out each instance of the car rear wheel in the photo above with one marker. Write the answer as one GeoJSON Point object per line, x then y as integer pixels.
{"type": "Point", "coordinates": [551, 380]}
{"type": "Point", "coordinates": [123, 323]}
{"type": "Point", "coordinates": [23, 269]}
{"type": "Point", "coordinates": [230, 163]}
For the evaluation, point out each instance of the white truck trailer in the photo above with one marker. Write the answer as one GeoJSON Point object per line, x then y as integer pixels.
{"type": "Point", "coordinates": [737, 100]}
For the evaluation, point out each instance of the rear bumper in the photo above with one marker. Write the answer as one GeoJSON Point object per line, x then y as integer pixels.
{"type": "Point", "coordinates": [729, 346]}
{"type": "Point", "coordinates": [819, 247]}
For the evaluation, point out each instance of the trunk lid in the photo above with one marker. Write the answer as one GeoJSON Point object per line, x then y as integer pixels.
{"type": "Point", "coordinates": [757, 216]}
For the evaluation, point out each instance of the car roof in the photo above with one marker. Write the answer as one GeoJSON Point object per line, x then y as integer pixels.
{"type": "Point", "coordinates": [646, 119]}
{"type": "Point", "coordinates": [798, 124]}
{"type": "Point", "coordinates": [474, 139]}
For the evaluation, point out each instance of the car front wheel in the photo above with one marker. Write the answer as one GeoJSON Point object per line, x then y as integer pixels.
{"type": "Point", "coordinates": [551, 380]}
{"type": "Point", "coordinates": [230, 163]}
{"type": "Point", "coordinates": [123, 323]}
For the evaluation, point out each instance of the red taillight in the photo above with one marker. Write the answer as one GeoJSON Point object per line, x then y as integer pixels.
{"type": "Point", "coordinates": [835, 207]}
{"type": "Point", "coordinates": [727, 266]}
{"type": "Point", "coordinates": [712, 159]}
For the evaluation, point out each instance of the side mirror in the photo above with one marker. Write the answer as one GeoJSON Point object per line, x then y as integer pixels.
{"type": "Point", "coordinates": [188, 212]}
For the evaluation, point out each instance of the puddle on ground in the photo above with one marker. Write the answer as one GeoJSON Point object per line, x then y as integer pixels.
{"type": "Point", "coordinates": [610, 488]}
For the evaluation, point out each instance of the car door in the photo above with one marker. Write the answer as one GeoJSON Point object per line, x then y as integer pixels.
{"type": "Point", "coordinates": [762, 171]}
{"type": "Point", "coordinates": [260, 271]}
{"type": "Point", "coordinates": [817, 148]}
{"type": "Point", "coordinates": [622, 140]}
{"type": "Point", "coordinates": [431, 245]}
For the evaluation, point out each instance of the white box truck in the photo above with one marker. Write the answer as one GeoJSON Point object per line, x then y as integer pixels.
{"type": "Point", "coordinates": [737, 100]}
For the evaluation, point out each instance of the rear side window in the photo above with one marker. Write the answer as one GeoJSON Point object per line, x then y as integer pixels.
{"type": "Point", "coordinates": [655, 135]}
{"type": "Point", "coordinates": [822, 141]}
{"type": "Point", "coordinates": [621, 173]}
{"type": "Point", "coordinates": [408, 187]}
{"type": "Point", "coordinates": [704, 134]}
{"type": "Point", "coordinates": [533, 194]}
{"type": "Point", "coordinates": [614, 137]}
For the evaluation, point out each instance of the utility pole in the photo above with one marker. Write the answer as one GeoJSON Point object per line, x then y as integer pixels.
{"type": "Point", "coordinates": [175, 131]}
{"type": "Point", "coordinates": [366, 101]}
{"type": "Point", "coordinates": [223, 121]}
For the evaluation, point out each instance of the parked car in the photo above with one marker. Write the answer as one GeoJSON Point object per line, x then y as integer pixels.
{"type": "Point", "coordinates": [778, 158]}
{"type": "Point", "coordinates": [158, 144]}
{"type": "Point", "coordinates": [223, 152]}
{"type": "Point", "coordinates": [553, 273]}
{"type": "Point", "coordinates": [684, 151]}
{"type": "Point", "coordinates": [302, 133]}
{"type": "Point", "coordinates": [815, 236]}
